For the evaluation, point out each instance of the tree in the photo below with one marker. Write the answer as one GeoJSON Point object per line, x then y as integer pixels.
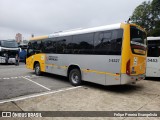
{"type": "Point", "coordinates": [156, 7]}
{"type": "Point", "coordinates": [156, 30]}
{"type": "Point", "coordinates": [147, 15]}
{"type": "Point", "coordinates": [156, 13]}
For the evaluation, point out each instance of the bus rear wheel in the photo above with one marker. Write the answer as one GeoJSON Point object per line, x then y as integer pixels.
{"type": "Point", "coordinates": [75, 77]}
{"type": "Point", "coordinates": [37, 69]}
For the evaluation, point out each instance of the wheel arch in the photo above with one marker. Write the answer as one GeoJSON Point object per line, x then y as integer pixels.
{"type": "Point", "coordinates": [71, 67]}
{"type": "Point", "coordinates": [35, 62]}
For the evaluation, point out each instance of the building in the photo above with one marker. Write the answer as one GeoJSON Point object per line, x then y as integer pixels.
{"type": "Point", "coordinates": [18, 38]}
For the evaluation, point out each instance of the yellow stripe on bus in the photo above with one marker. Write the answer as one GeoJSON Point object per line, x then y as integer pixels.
{"type": "Point", "coordinates": [51, 65]}
{"type": "Point", "coordinates": [100, 72]}
{"type": "Point", "coordinates": [39, 37]}
{"type": "Point", "coordinates": [86, 71]}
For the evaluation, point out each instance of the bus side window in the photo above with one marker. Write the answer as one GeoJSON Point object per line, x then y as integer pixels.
{"type": "Point", "coordinates": [102, 42]}
{"type": "Point", "coordinates": [30, 50]}
{"type": "Point", "coordinates": [154, 48]}
{"type": "Point", "coordinates": [108, 42]}
{"type": "Point", "coordinates": [37, 47]}
{"type": "Point", "coordinates": [61, 45]}
{"type": "Point", "coordinates": [117, 41]}
{"type": "Point", "coordinates": [66, 45]}
{"type": "Point", "coordinates": [83, 44]}
{"type": "Point", "coordinates": [153, 51]}
{"type": "Point", "coordinates": [49, 46]}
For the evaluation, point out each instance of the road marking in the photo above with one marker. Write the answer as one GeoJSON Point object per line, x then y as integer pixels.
{"type": "Point", "coordinates": [26, 76]}
{"type": "Point", "coordinates": [17, 77]}
{"type": "Point", "coordinates": [37, 95]}
{"type": "Point", "coordinates": [34, 76]}
{"type": "Point", "coordinates": [6, 78]}
{"type": "Point", "coordinates": [14, 77]}
{"type": "Point", "coordinates": [36, 83]}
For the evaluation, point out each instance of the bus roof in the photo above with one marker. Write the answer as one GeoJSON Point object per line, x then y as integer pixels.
{"type": "Point", "coordinates": [83, 31]}
{"type": "Point", "coordinates": [153, 38]}
{"type": "Point", "coordinates": [39, 37]}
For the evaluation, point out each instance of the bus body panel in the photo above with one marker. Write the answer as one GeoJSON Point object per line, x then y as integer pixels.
{"type": "Point", "coordinates": [126, 53]}
{"type": "Point", "coordinates": [55, 65]}
{"type": "Point", "coordinates": [138, 65]}
{"type": "Point", "coordinates": [102, 73]}
{"type": "Point", "coordinates": [153, 59]}
{"type": "Point", "coordinates": [29, 63]}
{"type": "Point", "coordinates": [40, 58]}
{"type": "Point", "coordinates": [125, 79]}
{"type": "Point", "coordinates": [137, 62]}
{"type": "Point", "coordinates": [153, 67]}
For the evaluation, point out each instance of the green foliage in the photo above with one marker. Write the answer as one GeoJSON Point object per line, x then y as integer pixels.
{"type": "Point", "coordinates": [156, 6]}
{"type": "Point", "coordinates": [147, 15]}
{"type": "Point", "coordinates": [156, 32]}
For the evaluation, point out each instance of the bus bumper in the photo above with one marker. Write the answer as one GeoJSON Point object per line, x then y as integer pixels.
{"type": "Point", "coordinates": [10, 60]}
{"type": "Point", "coordinates": [2, 60]}
{"type": "Point", "coordinates": [126, 79]}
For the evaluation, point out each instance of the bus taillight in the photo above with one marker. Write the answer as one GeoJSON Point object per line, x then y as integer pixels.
{"type": "Point", "coordinates": [128, 68]}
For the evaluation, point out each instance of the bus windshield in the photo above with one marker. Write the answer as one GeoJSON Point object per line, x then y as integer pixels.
{"type": "Point", "coordinates": [138, 41]}
{"type": "Point", "coordinates": [9, 44]}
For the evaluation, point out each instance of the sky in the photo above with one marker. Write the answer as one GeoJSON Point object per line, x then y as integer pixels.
{"type": "Point", "coordinates": [43, 17]}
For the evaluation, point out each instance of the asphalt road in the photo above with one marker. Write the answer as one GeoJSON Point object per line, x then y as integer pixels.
{"type": "Point", "coordinates": [18, 81]}
{"type": "Point", "coordinates": [21, 90]}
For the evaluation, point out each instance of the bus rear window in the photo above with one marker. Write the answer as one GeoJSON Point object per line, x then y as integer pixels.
{"type": "Point", "coordinates": [138, 36]}
{"type": "Point", "coordinates": [138, 41]}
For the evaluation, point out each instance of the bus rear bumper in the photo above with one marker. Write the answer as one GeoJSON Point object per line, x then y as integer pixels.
{"type": "Point", "coordinates": [126, 79]}
{"type": "Point", "coordinates": [2, 60]}
{"type": "Point", "coordinates": [10, 60]}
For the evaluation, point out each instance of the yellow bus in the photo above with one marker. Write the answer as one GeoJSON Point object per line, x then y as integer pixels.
{"type": "Point", "coordinates": [108, 55]}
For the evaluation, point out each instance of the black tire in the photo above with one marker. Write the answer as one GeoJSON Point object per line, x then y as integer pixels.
{"type": "Point", "coordinates": [75, 77]}
{"type": "Point", "coordinates": [37, 69]}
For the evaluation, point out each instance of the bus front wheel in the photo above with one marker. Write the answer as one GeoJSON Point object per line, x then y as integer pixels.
{"type": "Point", "coordinates": [75, 77]}
{"type": "Point", "coordinates": [37, 69]}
